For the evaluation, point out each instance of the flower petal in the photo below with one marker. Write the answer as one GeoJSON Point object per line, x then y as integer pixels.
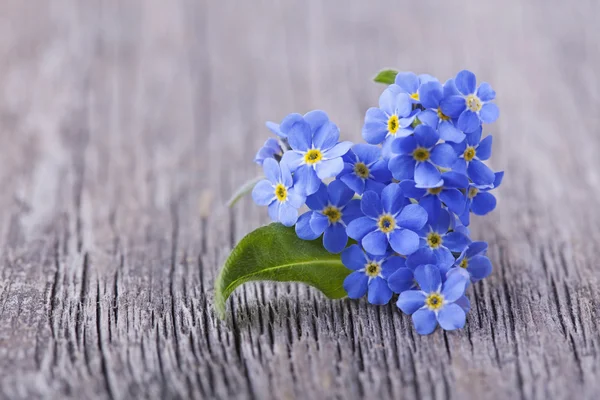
{"type": "Point", "coordinates": [413, 217]}
{"type": "Point", "coordinates": [483, 203]}
{"type": "Point", "coordinates": [339, 194]}
{"type": "Point", "coordinates": [391, 265]}
{"type": "Point", "coordinates": [452, 317]}
{"type": "Point", "coordinates": [329, 168]}
{"type": "Point", "coordinates": [410, 301]}
{"type": "Point", "coordinates": [303, 229]}
{"type": "Point", "coordinates": [379, 292]}
{"type": "Point", "coordinates": [429, 278]}
{"type": "Point", "coordinates": [404, 241]}
{"type": "Point", "coordinates": [288, 215]}
{"type": "Point", "coordinates": [354, 257]}
{"type": "Point", "coordinates": [453, 106]}
{"type": "Point", "coordinates": [370, 204]}
{"type": "Point", "coordinates": [426, 136]}
{"type": "Point", "coordinates": [375, 243]}
{"type": "Point", "coordinates": [454, 179]}
{"type": "Point", "coordinates": [430, 118]}
{"type": "Point", "coordinates": [450, 133]}
{"type": "Point", "coordinates": [392, 198]}
{"type": "Point", "coordinates": [443, 155]}
{"type": "Point", "coordinates": [408, 82]}
{"type": "Point", "coordinates": [403, 106]}
{"type": "Point", "coordinates": [263, 193]}
{"type": "Point", "coordinates": [351, 211]}
{"type": "Point", "coordinates": [318, 200]}
{"type": "Point", "coordinates": [367, 153]}
{"type": "Point", "coordinates": [456, 241]}
{"type": "Point", "coordinates": [356, 284]}
{"type": "Point", "coordinates": [424, 321]}
{"type": "Point", "coordinates": [485, 92]}
{"type": "Point", "coordinates": [453, 199]}
{"type": "Point", "coordinates": [288, 121]}
{"type": "Point", "coordinates": [426, 175]}
{"type": "Point", "coordinates": [338, 150]}
{"type": "Point", "coordinates": [468, 121]}
{"type": "Point", "coordinates": [360, 227]}
{"type": "Point", "coordinates": [479, 267]}
{"type": "Point", "coordinates": [375, 128]}
{"type": "Point", "coordinates": [387, 100]}
{"type": "Point", "coordinates": [326, 136]}
{"type": "Point", "coordinates": [335, 238]}
{"type": "Point", "coordinates": [292, 160]}
{"type": "Point", "coordinates": [272, 170]}
{"type": "Point", "coordinates": [295, 199]}
{"type": "Point", "coordinates": [454, 287]}
{"type": "Point", "coordinates": [443, 259]}
{"type": "Point", "coordinates": [489, 113]}
{"type": "Point", "coordinates": [430, 94]}
{"type": "Point", "coordinates": [422, 256]}
{"type": "Point", "coordinates": [306, 181]}
{"type": "Point", "coordinates": [465, 82]}
{"type": "Point", "coordinates": [300, 136]}
{"type": "Point", "coordinates": [353, 182]}
{"type": "Point", "coordinates": [464, 303]}
{"type": "Point", "coordinates": [318, 223]}
{"type": "Point", "coordinates": [410, 190]}
{"type": "Point", "coordinates": [404, 145]}
{"type": "Point", "coordinates": [401, 281]}
{"type": "Point", "coordinates": [480, 173]}
{"type": "Point", "coordinates": [274, 211]}
{"type": "Point", "coordinates": [484, 150]}
{"type": "Point", "coordinates": [476, 248]}
{"type": "Point", "coordinates": [316, 119]}
{"type": "Point", "coordinates": [273, 127]}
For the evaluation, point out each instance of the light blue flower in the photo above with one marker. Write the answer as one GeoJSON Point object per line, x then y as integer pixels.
{"type": "Point", "coordinates": [419, 157]}
{"type": "Point", "coordinates": [473, 260]}
{"type": "Point", "coordinates": [316, 153]}
{"type": "Point", "coordinates": [411, 84]}
{"type": "Point", "coordinates": [390, 120]}
{"type": "Point", "coordinates": [278, 192]}
{"type": "Point", "coordinates": [370, 274]}
{"type": "Point", "coordinates": [271, 149]}
{"type": "Point", "coordinates": [471, 154]}
{"type": "Point", "coordinates": [364, 169]}
{"type": "Point", "coordinates": [432, 94]}
{"type": "Point", "coordinates": [389, 219]}
{"type": "Point", "coordinates": [479, 200]}
{"type": "Point", "coordinates": [333, 209]}
{"type": "Point", "coordinates": [435, 302]}
{"type": "Point", "coordinates": [439, 239]}
{"type": "Point", "coordinates": [472, 106]}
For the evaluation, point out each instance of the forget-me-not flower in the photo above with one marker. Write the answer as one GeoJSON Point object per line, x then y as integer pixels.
{"type": "Point", "coordinates": [271, 149]}
{"type": "Point", "coordinates": [364, 169]}
{"type": "Point", "coordinates": [278, 192]}
{"type": "Point", "coordinates": [432, 93]}
{"type": "Point", "coordinates": [370, 274]}
{"type": "Point", "coordinates": [332, 210]}
{"type": "Point", "coordinates": [479, 200]}
{"type": "Point", "coordinates": [411, 84]}
{"type": "Point", "coordinates": [472, 106]}
{"type": "Point", "coordinates": [419, 157]}
{"type": "Point", "coordinates": [471, 153]}
{"type": "Point", "coordinates": [316, 153]}
{"type": "Point", "coordinates": [389, 219]}
{"type": "Point", "coordinates": [435, 302]}
{"type": "Point", "coordinates": [474, 261]}
{"type": "Point", "coordinates": [390, 119]}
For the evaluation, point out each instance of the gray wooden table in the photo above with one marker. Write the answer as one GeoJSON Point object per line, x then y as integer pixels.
{"type": "Point", "coordinates": [126, 124]}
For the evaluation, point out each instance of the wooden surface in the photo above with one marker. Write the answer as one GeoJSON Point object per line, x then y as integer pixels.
{"type": "Point", "coordinates": [126, 124]}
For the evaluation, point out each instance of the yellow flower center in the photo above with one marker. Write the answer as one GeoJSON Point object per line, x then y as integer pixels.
{"type": "Point", "coordinates": [435, 190]}
{"type": "Point", "coordinates": [441, 115]}
{"type": "Point", "coordinates": [421, 154]}
{"type": "Point", "coordinates": [386, 223]}
{"type": "Point", "coordinates": [415, 96]}
{"type": "Point", "coordinates": [281, 192]}
{"type": "Point", "coordinates": [473, 103]}
{"type": "Point", "coordinates": [313, 156]}
{"type": "Point", "coordinates": [469, 153]}
{"type": "Point", "coordinates": [434, 301]}
{"type": "Point", "coordinates": [333, 213]}
{"type": "Point", "coordinates": [393, 124]}
{"type": "Point", "coordinates": [372, 269]}
{"type": "Point", "coordinates": [434, 240]}
{"type": "Point", "coordinates": [361, 170]}
{"type": "Point", "coordinates": [473, 192]}
{"type": "Point", "coordinates": [464, 263]}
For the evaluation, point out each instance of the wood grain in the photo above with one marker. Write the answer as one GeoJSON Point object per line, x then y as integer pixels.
{"type": "Point", "coordinates": [125, 126]}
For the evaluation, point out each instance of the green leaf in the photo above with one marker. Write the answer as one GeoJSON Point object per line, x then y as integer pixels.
{"type": "Point", "coordinates": [243, 190]}
{"type": "Point", "coordinates": [387, 76]}
{"type": "Point", "coordinates": [275, 253]}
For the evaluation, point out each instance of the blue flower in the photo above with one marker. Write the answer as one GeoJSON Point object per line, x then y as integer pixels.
{"type": "Point", "coordinates": [389, 219]}
{"type": "Point", "coordinates": [432, 199]}
{"type": "Point", "coordinates": [316, 153]}
{"type": "Point", "coordinates": [333, 209]}
{"type": "Point", "coordinates": [420, 156]}
{"type": "Point", "coordinates": [438, 241]}
{"type": "Point", "coordinates": [411, 84]}
{"type": "Point", "coordinates": [271, 149]}
{"type": "Point", "coordinates": [435, 302]}
{"type": "Point", "coordinates": [432, 93]}
{"type": "Point", "coordinates": [370, 274]}
{"type": "Point", "coordinates": [364, 169]}
{"type": "Point", "coordinates": [402, 279]}
{"type": "Point", "coordinates": [471, 152]}
{"type": "Point", "coordinates": [474, 261]}
{"type": "Point", "coordinates": [390, 119]}
{"type": "Point", "coordinates": [478, 199]}
{"type": "Point", "coordinates": [472, 106]}
{"type": "Point", "coordinates": [278, 192]}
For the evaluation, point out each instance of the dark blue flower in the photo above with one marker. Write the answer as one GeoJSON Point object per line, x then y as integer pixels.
{"type": "Point", "coordinates": [278, 192]}
{"type": "Point", "coordinates": [473, 260]}
{"type": "Point", "coordinates": [370, 274]}
{"type": "Point", "coordinates": [271, 149]}
{"type": "Point", "coordinates": [432, 93]}
{"type": "Point", "coordinates": [316, 153]}
{"type": "Point", "coordinates": [390, 119]}
{"type": "Point", "coordinates": [472, 106]}
{"type": "Point", "coordinates": [479, 200]}
{"type": "Point", "coordinates": [419, 157]}
{"type": "Point", "coordinates": [438, 240]}
{"type": "Point", "coordinates": [333, 209]}
{"type": "Point", "coordinates": [471, 154]}
{"type": "Point", "coordinates": [364, 169]}
{"type": "Point", "coordinates": [389, 219]}
{"type": "Point", "coordinates": [447, 194]}
{"type": "Point", "coordinates": [435, 302]}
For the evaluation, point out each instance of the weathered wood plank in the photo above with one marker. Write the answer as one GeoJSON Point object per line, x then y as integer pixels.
{"type": "Point", "coordinates": [125, 125]}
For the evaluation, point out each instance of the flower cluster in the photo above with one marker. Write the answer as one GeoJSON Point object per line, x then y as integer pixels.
{"type": "Point", "coordinates": [405, 197]}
